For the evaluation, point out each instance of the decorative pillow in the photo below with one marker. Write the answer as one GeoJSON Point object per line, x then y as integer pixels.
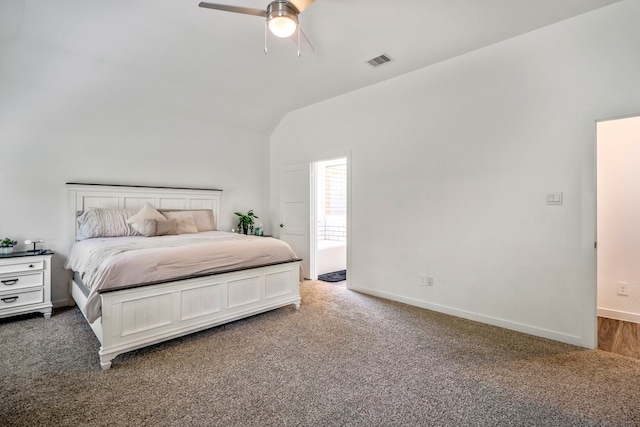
{"type": "Point", "coordinates": [186, 221]}
{"type": "Point", "coordinates": [147, 212]}
{"type": "Point", "coordinates": [154, 227]}
{"type": "Point", "coordinates": [203, 217]}
{"type": "Point", "coordinates": [104, 222]}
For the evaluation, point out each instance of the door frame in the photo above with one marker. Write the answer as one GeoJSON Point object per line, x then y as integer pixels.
{"type": "Point", "coordinates": [589, 125]}
{"type": "Point", "coordinates": [605, 312]}
{"type": "Point", "coordinates": [313, 232]}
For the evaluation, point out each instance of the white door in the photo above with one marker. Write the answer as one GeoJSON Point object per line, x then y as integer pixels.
{"type": "Point", "coordinates": [295, 212]}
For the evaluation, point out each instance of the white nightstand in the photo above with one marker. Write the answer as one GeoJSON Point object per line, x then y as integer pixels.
{"type": "Point", "coordinates": [25, 283]}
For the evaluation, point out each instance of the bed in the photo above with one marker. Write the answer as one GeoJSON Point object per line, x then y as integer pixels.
{"type": "Point", "coordinates": [142, 305]}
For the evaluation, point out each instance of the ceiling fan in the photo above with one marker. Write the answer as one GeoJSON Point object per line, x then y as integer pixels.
{"type": "Point", "coordinates": [281, 18]}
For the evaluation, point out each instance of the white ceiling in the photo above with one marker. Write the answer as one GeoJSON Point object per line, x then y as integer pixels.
{"type": "Point", "coordinates": [204, 64]}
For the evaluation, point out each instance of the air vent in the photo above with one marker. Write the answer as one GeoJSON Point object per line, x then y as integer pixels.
{"type": "Point", "coordinates": [380, 60]}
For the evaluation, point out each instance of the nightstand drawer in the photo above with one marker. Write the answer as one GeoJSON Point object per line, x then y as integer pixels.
{"type": "Point", "coordinates": [11, 282]}
{"type": "Point", "coordinates": [16, 299]}
{"type": "Point", "coordinates": [21, 267]}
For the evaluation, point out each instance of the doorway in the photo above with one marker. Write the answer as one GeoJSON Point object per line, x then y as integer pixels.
{"type": "Point", "coordinates": [618, 235]}
{"type": "Point", "coordinates": [330, 219]}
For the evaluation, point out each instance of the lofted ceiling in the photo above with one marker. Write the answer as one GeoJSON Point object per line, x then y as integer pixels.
{"type": "Point", "coordinates": [177, 58]}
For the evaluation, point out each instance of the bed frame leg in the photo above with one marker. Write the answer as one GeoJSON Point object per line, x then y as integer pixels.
{"type": "Point", "coordinates": [105, 363]}
{"type": "Point", "coordinates": [296, 306]}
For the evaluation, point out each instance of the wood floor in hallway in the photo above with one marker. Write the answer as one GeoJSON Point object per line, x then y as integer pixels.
{"type": "Point", "coordinates": [619, 337]}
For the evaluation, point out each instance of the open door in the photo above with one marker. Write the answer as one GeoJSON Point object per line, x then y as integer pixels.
{"type": "Point", "coordinates": [329, 211]}
{"type": "Point", "coordinates": [618, 235]}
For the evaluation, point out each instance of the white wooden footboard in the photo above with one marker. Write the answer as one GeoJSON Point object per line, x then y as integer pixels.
{"type": "Point", "coordinates": [138, 317]}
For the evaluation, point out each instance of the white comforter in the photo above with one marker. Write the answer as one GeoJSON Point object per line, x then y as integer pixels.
{"type": "Point", "coordinates": [117, 262]}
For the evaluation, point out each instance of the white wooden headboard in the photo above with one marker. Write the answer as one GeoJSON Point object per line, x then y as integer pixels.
{"type": "Point", "coordinates": [82, 196]}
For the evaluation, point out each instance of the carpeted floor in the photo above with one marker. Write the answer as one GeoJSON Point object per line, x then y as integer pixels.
{"type": "Point", "coordinates": [343, 359]}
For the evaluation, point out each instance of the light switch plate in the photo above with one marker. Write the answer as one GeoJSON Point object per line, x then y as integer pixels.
{"type": "Point", "coordinates": [554, 199]}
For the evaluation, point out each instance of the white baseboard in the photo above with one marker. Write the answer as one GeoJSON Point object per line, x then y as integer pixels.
{"type": "Point", "coordinates": [515, 326]}
{"type": "Point", "coordinates": [619, 315]}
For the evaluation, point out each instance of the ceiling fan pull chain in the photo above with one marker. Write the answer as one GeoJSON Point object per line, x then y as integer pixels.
{"type": "Point", "coordinates": [298, 40]}
{"type": "Point", "coordinates": [265, 37]}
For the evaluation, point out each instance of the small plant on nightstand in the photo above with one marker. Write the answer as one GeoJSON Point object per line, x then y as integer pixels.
{"type": "Point", "coordinates": [246, 221]}
{"type": "Point", "coordinates": [6, 245]}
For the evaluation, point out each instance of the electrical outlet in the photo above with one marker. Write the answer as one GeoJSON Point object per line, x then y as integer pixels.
{"type": "Point", "coordinates": [429, 281]}
{"type": "Point", "coordinates": [623, 288]}
{"type": "Point", "coordinates": [423, 279]}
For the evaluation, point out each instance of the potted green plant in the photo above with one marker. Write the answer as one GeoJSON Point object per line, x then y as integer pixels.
{"type": "Point", "coordinates": [246, 221]}
{"type": "Point", "coordinates": [6, 245]}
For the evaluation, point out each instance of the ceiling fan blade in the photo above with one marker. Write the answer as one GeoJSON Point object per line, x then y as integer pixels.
{"type": "Point", "coordinates": [301, 4]}
{"type": "Point", "coordinates": [236, 9]}
{"type": "Point", "coordinates": [305, 45]}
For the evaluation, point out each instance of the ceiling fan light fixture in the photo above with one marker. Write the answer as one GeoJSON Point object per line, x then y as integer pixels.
{"type": "Point", "coordinates": [282, 26]}
{"type": "Point", "coordinates": [282, 19]}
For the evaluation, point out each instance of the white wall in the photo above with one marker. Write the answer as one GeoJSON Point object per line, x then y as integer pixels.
{"type": "Point", "coordinates": [59, 125]}
{"type": "Point", "coordinates": [619, 218]}
{"type": "Point", "coordinates": [451, 166]}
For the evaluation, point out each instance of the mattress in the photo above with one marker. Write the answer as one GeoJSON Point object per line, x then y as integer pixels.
{"type": "Point", "coordinates": [108, 264]}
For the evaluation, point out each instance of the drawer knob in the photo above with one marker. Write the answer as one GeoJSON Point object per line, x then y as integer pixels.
{"type": "Point", "coordinates": [9, 282]}
{"type": "Point", "coordinates": [30, 265]}
{"type": "Point", "coordinates": [9, 299]}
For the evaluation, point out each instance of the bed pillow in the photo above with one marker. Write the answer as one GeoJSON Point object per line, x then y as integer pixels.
{"type": "Point", "coordinates": [147, 212]}
{"type": "Point", "coordinates": [185, 221]}
{"type": "Point", "coordinates": [203, 217]}
{"type": "Point", "coordinates": [154, 227]}
{"type": "Point", "coordinates": [104, 222]}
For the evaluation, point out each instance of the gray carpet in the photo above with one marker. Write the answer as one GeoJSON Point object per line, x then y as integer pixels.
{"type": "Point", "coordinates": [343, 359]}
